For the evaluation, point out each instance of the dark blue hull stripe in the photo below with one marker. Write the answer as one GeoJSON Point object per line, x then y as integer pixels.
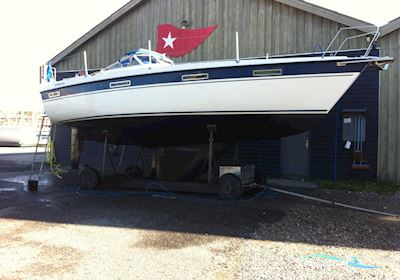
{"type": "Point", "coordinates": [237, 72]}
{"type": "Point", "coordinates": [200, 113]}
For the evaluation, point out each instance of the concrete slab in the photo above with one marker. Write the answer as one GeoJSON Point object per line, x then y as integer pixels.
{"type": "Point", "coordinates": [17, 159]}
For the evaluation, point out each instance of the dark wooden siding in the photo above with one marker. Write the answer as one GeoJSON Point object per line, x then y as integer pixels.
{"type": "Point", "coordinates": [264, 154]}
{"type": "Point", "coordinates": [363, 95]}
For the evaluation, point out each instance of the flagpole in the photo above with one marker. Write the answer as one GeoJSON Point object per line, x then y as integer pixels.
{"type": "Point", "coordinates": [237, 47]}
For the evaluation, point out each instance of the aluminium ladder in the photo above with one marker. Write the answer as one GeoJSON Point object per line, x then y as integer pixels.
{"type": "Point", "coordinates": [44, 131]}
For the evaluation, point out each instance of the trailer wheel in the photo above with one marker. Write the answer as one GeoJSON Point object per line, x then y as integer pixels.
{"type": "Point", "coordinates": [230, 187]}
{"type": "Point", "coordinates": [89, 178]}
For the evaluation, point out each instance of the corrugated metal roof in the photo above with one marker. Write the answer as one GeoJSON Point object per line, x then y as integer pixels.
{"type": "Point", "coordinates": [298, 4]}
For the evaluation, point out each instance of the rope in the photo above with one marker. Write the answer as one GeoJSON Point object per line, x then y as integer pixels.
{"type": "Point", "coordinates": [51, 159]}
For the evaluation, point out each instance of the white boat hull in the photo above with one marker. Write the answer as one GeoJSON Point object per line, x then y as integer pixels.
{"type": "Point", "coordinates": [298, 94]}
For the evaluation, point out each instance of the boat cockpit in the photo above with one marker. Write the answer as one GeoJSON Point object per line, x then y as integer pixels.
{"type": "Point", "coordinates": [140, 57]}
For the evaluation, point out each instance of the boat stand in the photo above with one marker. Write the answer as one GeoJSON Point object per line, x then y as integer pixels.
{"type": "Point", "coordinates": [211, 128]}
{"type": "Point", "coordinates": [134, 170]}
{"type": "Point", "coordinates": [210, 162]}
{"type": "Point", "coordinates": [105, 147]}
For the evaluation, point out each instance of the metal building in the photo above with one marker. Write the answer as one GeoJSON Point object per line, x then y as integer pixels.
{"type": "Point", "coordinates": [266, 27]}
{"type": "Point", "coordinates": [389, 115]}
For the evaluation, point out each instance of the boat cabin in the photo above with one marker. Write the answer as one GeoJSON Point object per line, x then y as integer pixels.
{"type": "Point", "coordinates": [140, 57]}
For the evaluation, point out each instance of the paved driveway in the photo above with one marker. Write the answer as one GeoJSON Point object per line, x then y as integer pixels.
{"type": "Point", "coordinates": [58, 233]}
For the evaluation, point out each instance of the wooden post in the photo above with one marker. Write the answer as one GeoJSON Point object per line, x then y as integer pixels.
{"type": "Point", "coordinates": [75, 149]}
{"type": "Point", "coordinates": [211, 130]}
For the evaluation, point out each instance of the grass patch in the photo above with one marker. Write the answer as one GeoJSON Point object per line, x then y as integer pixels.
{"type": "Point", "coordinates": [358, 186]}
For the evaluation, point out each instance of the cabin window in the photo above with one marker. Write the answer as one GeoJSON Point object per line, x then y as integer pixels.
{"type": "Point", "coordinates": [195, 77]}
{"type": "Point", "coordinates": [133, 62]}
{"type": "Point", "coordinates": [120, 84]}
{"type": "Point", "coordinates": [145, 59]}
{"type": "Point", "coordinates": [115, 65]}
{"type": "Point", "coordinates": [267, 72]}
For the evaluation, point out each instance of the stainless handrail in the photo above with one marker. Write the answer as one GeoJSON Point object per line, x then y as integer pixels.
{"type": "Point", "coordinates": [54, 69]}
{"type": "Point", "coordinates": [376, 33]}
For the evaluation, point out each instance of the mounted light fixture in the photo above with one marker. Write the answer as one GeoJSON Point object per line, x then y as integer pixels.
{"type": "Point", "coordinates": [185, 24]}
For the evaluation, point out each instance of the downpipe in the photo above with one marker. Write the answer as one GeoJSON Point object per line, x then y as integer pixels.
{"type": "Point", "coordinates": [332, 202]}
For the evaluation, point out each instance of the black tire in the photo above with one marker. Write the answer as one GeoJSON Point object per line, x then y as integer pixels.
{"type": "Point", "coordinates": [230, 187]}
{"type": "Point", "coordinates": [133, 171]}
{"type": "Point", "coordinates": [89, 178]}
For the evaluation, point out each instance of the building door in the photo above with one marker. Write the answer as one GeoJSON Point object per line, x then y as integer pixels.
{"type": "Point", "coordinates": [295, 155]}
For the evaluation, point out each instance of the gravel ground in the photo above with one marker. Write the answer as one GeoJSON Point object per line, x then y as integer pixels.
{"type": "Point", "coordinates": [315, 229]}
{"type": "Point", "coordinates": [57, 234]}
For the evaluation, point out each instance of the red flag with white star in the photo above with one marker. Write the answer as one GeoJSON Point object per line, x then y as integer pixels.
{"type": "Point", "coordinates": [176, 42]}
